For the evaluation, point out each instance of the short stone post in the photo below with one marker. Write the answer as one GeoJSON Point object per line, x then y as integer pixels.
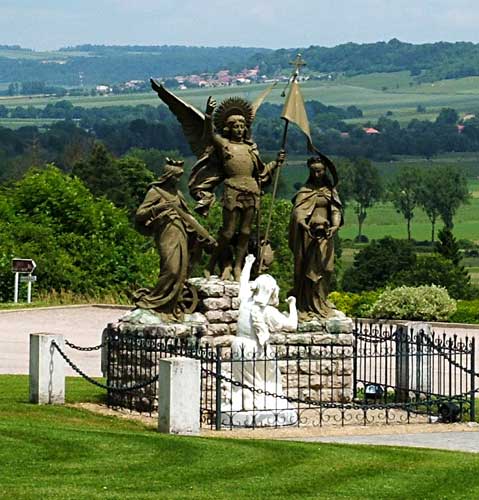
{"type": "Point", "coordinates": [179, 396]}
{"type": "Point", "coordinates": [47, 369]}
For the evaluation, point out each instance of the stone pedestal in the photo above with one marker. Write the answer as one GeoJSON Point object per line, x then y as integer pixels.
{"type": "Point", "coordinates": [179, 396]}
{"type": "Point", "coordinates": [47, 369]}
{"type": "Point", "coordinates": [325, 376]}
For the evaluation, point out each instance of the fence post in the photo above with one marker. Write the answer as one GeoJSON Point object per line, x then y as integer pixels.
{"type": "Point", "coordinates": [402, 365]}
{"type": "Point", "coordinates": [218, 388]}
{"type": "Point", "coordinates": [473, 380]}
{"type": "Point", "coordinates": [355, 358]}
{"type": "Point", "coordinates": [47, 369]}
{"type": "Point", "coordinates": [179, 396]}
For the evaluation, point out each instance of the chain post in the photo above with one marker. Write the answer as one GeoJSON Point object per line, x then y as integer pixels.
{"type": "Point", "coordinates": [218, 388]}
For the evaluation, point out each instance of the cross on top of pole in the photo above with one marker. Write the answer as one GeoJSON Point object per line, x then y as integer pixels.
{"type": "Point", "coordinates": [298, 63]}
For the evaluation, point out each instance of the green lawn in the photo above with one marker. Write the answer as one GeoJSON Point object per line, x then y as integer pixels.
{"type": "Point", "coordinates": [62, 452]}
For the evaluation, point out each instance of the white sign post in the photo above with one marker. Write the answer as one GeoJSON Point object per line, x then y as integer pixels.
{"type": "Point", "coordinates": [21, 267]}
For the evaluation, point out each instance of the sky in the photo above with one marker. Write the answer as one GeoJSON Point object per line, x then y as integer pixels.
{"type": "Point", "coordinates": [51, 24]}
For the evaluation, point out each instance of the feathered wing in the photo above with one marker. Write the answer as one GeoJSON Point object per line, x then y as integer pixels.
{"type": "Point", "coordinates": [191, 120]}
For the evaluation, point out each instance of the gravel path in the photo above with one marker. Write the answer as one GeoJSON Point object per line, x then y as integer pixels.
{"type": "Point", "coordinates": [81, 325]}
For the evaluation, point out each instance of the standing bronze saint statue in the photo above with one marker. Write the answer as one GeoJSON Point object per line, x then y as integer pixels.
{"type": "Point", "coordinates": [316, 217]}
{"type": "Point", "coordinates": [165, 216]}
{"type": "Point", "coordinates": [221, 139]}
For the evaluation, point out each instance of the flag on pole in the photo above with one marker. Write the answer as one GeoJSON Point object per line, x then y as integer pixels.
{"type": "Point", "coordinates": [294, 111]}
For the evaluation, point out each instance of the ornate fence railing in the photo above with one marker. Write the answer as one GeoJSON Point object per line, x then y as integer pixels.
{"type": "Point", "coordinates": [386, 373]}
{"type": "Point", "coordinates": [430, 372]}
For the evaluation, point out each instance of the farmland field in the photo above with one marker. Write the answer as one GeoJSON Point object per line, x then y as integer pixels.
{"type": "Point", "coordinates": [375, 94]}
{"type": "Point", "coordinates": [383, 220]}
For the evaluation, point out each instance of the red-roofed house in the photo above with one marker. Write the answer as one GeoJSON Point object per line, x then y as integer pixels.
{"type": "Point", "coordinates": [371, 131]}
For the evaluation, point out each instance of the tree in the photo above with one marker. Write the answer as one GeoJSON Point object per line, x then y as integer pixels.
{"type": "Point", "coordinates": [403, 192]}
{"type": "Point", "coordinates": [135, 178]}
{"type": "Point", "coordinates": [376, 263]}
{"type": "Point", "coordinates": [448, 247]}
{"type": "Point", "coordinates": [123, 181]}
{"type": "Point", "coordinates": [447, 116]}
{"type": "Point", "coordinates": [154, 159]}
{"type": "Point", "coordinates": [442, 269]}
{"type": "Point", "coordinates": [435, 270]}
{"type": "Point", "coordinates": [427, 198]}
{"type": "Point", "coordinates": [451, 191]}
{"type": "Point", "coordinates": [81, 244]}
{"type": "Point", "coordinates": [345, 184]}
{"type": "Point", "coordinates": [366, 189]}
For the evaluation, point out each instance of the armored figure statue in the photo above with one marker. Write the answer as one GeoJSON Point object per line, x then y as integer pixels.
{"type": "Point", "coordinates": [165, 216]}
{"type": "Point", "coordinates": [226, 155]}
{"type": "Point", "coordinates": [316, 217]}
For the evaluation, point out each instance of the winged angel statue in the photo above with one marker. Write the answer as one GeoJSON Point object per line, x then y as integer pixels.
{"type": "Point", "coordinates": [221, 140]}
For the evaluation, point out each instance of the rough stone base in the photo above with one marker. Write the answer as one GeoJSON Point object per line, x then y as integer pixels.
{"type": "Point", "coordinates": [324, 374]}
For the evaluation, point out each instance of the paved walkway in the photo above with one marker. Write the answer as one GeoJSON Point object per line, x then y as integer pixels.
{"type": "Point", "coordinates": [456, 441]}
{"type": "Point", "coordinates": [81, 325]}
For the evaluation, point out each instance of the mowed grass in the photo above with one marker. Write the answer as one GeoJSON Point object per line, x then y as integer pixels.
{"type": "Point", "coordinates": [383, 220]}
{"type": "Point", "coordinates": [400, 95]}
{"type": "Point", "coordinates": [59, 452]}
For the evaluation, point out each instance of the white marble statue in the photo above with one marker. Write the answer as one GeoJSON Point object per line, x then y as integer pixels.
{"type": "Point", "coordinates": [258, 319]}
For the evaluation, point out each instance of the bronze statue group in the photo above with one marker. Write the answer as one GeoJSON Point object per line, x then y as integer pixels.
{"type": "Point", "coordinates": [226, 155]}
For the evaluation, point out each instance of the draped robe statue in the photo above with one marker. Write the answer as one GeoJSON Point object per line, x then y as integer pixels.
{"type": "Point", "coordinates": [316, 217]}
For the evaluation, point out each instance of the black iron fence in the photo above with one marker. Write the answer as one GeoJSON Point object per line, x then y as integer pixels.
{"type": "Point", "coordinates": [384, 373]}
{"type": "Point", "coordinates": [432, 374]}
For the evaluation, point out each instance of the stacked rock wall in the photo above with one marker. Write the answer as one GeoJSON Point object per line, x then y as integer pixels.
{"type": "Point", "coordinates": [315, 362]}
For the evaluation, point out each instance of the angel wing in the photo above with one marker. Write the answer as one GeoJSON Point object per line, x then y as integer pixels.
{"type": "Point", "coordinates": [191, 120]}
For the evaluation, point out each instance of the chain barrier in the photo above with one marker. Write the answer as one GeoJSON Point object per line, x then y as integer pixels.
{"type": "Point", "coordinates": [322, 404]}
{"type": "Point", "coordinates": [78, 348]}
{"type": "Point", "coordinates": [376, 340]}
{"type": "Point", "coordinates": [441, 351]}
{"type": "Point", "coordinates": [99, 384]}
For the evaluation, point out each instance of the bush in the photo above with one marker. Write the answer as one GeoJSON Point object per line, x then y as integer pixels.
{"type": "Point", "coordinates": [467, 312]}
{"type": "Point", "coordinates": [423, 303]}
{"type": "Point", "coordinates": [436, 270]}
{"type": "Point", "coordinates": [80, 244]}
{"type": "Point", "coordinates": [375, 264]}
{"type": "Point", "coordinates": [354, 305]}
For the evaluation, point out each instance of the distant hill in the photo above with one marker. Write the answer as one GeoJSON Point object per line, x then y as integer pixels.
{"type": "Point", "coordinates": [429, 61]}
{"type": "Point", "coordinates": [114, 64]}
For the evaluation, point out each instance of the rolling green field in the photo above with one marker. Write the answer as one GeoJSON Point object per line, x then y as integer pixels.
{"type": "Point", "coordinates": [15, 123]}
{"type": "Point", "coordinates": [383, 220]}
{"type": "Point", "coordinates": [59, 452]}
{"type": "Point", "coordinates": [364, 91]}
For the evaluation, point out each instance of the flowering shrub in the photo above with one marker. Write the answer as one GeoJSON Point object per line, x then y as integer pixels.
{"type": "Point", "coordinates": [426, 303]}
